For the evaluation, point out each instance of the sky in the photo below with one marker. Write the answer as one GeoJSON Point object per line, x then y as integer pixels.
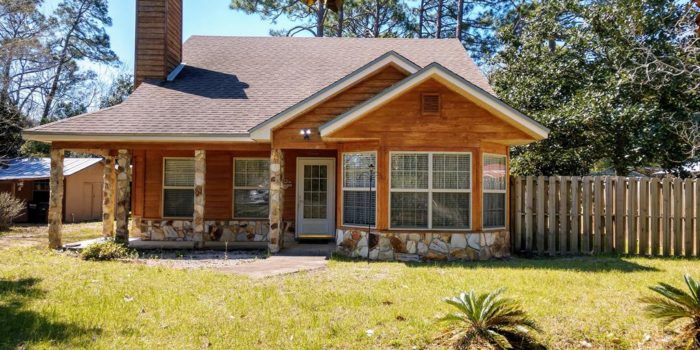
{"type": "Point", "coordinates": [201, 17]}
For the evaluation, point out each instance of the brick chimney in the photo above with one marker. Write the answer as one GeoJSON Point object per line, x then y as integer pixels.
{"type": "Point", "coordinates": [158, 38]}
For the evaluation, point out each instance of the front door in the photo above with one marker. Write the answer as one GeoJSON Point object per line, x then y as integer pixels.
{"type": "Point", "coordinates": [315, 198]}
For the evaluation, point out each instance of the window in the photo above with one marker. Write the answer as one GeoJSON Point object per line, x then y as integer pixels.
{"type": "Point", "coordinates": [251, 188]}
{"type": "Point", "coordinates": [430, 190]}
{"type": "Point", "coordinates": [494, 191]}
{"type": "Point", "coordinates": [359, 204]}
{"type": "Point", "coordinates": [178, 187]}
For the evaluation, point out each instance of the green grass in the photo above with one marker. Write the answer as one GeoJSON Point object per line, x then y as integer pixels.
{"type": "Point", "coordinates": [50, 300]}
{"type": "Point", "coordinates": [36, 235]}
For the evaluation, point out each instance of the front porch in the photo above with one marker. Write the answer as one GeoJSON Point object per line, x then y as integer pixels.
{"type": "Point", "coordinates": [255, 197]}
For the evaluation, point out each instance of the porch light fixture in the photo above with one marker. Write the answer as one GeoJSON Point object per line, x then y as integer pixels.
{"type": "Point", "coordinates": [306, 133]}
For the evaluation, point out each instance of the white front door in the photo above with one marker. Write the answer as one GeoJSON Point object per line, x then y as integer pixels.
{"type": "Point", "coordinates": [315, 197]}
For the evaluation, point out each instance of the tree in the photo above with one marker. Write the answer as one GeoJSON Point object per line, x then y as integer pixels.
{"type": "Point", "coordinates": [118, 91]}
{"type": "Point", "coordinates": [80, 35]}
{"type": "Point", "coordinates": [375, 19]}
{"type": "Point", "coordinates": [570, 64]}
{"type": "Point", "coordinates": [311, 15]}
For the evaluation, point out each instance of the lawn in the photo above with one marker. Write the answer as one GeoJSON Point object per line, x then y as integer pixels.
{"type": "Point", "coordinates": [52, 300]}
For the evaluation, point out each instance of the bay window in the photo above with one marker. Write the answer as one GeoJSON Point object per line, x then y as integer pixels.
{"type": "Point", "coordinates": [494, 191]}
{"type": "Point", "coordinates": [430, 190]}
{"type": "Point", "coordinates": [251, 188]}
{"type": "Point", "coordinates": [359, 203]}
{"type": "Point", "coordinates": [178, 187]}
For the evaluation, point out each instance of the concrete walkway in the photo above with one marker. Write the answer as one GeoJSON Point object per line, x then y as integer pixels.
{"type": "Point", "coordinates": [277, 265]}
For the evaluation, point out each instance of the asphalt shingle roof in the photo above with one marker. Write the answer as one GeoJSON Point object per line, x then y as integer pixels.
{"type": "Point", "coordinates": [231, 84]}
{"type": "Point", "coordinates": [40, 168]}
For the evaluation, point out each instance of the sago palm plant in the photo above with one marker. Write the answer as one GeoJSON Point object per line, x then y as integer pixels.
{"type": "Point", "coordinates": [489, 321]}
{"type": "Point", "coordinates": [674, 305]}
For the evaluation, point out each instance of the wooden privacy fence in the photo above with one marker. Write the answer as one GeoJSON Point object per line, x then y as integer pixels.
{"type": "Point", "coordinates": [560, 215]}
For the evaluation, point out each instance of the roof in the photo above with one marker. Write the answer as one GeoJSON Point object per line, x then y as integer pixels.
{"type": "Point", "coordinates": [229, 85]}
{"type": "Point", "coordinates": [40, 168]}
{"type": "Point", "coordinates": [452, 80]}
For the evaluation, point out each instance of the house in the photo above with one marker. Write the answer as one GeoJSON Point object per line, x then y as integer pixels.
{"type": "Point", "coordinates": [245, 141]}
{"type": "Point", "coordinates": [28, 180]}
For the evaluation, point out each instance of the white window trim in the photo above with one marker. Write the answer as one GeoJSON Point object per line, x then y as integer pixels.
{"type": "Point", "coordinates": [234, 188]}
{"type": "Point", "coordinates": [358, 189]}
{"type": "Point", "coordinates": [484, 191]}
{"type": "Point", "coordinates": [165, 187]}
{"type": "Point", "coordinates": [430, 191]}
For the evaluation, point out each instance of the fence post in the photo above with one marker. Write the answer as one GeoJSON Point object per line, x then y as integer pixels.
{"type": "Point", "coordinates": [620, 187]}
{"type": "Point", "coordinates": [688, 217]}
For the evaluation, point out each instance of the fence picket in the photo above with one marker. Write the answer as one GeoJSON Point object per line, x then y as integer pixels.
{"type": "Point", "coordinates": [666, 216]}
{"type": "Point", "coordinates": [608, 241]}
{"type": "Point", "coordinates": [644, 216]}
{"type": "Point", "coordinates": [688, 217]}
{"type": "Point", "coordinates": [563, 213]}
{"type": "Point", "coordinates": [517, 215]}
{"type": "Point", "coordinates": [632, 216]}
{"type": "Point", "coordinates": [586, 215]}
{"type": "Point", "coordinates": [552, 216]}
{"type": "Point", "coordinates": [540, 215]}
{"type": "Point", "coordinates": [597, 213]}
{"type": "Point", "coordinates": [677, 217]}
{"type": "Point", "coordinates": [575, 204]}
{"type": "Point", "coordinates": [655, 218]}
{"type": "Point", "coordinates": [528, 213]}
{"type": "Point", "coordinates": [620, 187]}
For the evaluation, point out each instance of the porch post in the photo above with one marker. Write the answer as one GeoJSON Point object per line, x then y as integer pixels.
{"type": "Point", "coordinates": [109, 180]}
{"type": "Point", "coordinates": [123, 195]}
{"type": "Point", "coordinates": [200, 172]}
{"type": "Point", "coordinates": [276, 200]}
{"type": "Point", "coordinates": [56, 198]}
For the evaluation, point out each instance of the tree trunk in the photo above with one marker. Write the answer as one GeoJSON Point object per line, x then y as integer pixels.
{"type": "Point", "coordinates": [438, 20]}
{"type": "Point", "coordinates": [460, 10]}
{"type": "Point", "coordinates": [320, 14]}
{"type": "Point", "coordinates": [341, 18]}
{"type": "Point", "coordinates": [421, 14]}
{"type": "Point", "coordinates": [377, 9]}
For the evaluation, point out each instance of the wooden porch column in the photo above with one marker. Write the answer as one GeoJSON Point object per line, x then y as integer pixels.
{"type": "Point", "coordinates": [123, 195]}
{"type": "Point", "coordinates": [200, 172]}
{"type": "Point", "coordinates": [109, 182]}
{"type": "Point", "coordinates": [276, 200]}
{"type": "Point", "coordinates": [56, 198]}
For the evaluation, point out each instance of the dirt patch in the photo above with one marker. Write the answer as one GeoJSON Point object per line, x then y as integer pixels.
{"type": "Point", "coordinates": [213, 260]}
{"type": "Point", "coordinates": [37, 235]}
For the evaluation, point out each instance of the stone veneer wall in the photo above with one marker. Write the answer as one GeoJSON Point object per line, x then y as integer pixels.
{"type": "Point", "coordinates": [218, 231]}
{"type": "Point", "coordinates": [424, 246]}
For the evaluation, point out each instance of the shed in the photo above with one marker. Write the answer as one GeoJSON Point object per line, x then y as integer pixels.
{"type": "Point", "coordinates": [28, 180]}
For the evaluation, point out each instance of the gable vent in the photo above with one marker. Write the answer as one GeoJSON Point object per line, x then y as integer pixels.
{"type": "Point", "coordinates": [430, 104]}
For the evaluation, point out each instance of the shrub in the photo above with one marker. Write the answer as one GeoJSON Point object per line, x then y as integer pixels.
{"type": "Point", "coordinates": [106, 251]}
{"type": "Point", "coordinates": [673, 304]}
{"type": "Point", "coordinates": [489, 321]}
{"type": "Point", "coordinates": [10, 208]}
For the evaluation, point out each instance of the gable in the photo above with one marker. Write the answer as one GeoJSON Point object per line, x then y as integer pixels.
{"type": "Point", "coordinates": [287, 135]}
{"type": "Point", "coordinates": [457, 84]}
{"type": "Point", "coordinates": [460, 121]}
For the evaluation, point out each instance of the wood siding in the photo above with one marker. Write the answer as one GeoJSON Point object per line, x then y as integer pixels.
{"type": "Point", "coordinates": [158, 38]}
{"type": "Point", "coordinates": [287, 136]}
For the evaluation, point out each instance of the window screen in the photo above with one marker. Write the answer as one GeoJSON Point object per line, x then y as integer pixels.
{"type": "Point", "coordinates": [359, 202]}
{"type": "Point", "coordinates": [251, 188]}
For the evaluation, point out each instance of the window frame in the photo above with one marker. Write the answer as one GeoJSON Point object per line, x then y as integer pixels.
{"type": "Point", "coordinates": [430, 191]}
{"type": "Point", "coordinates": [165, 187]}
{"type": "Point", "coordinates": [485, 191]}
{"type": "Point", "coordinates": [342, 188]}
{"type": "Point", "coordinates": [234, 188]}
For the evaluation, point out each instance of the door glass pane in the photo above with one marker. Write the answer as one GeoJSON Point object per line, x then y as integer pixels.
{"type": "Point", "coordinates": [315, 191]}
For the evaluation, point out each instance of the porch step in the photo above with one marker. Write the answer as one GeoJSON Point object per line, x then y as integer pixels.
{"type": "Point", "coordinates": [309, 248]}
